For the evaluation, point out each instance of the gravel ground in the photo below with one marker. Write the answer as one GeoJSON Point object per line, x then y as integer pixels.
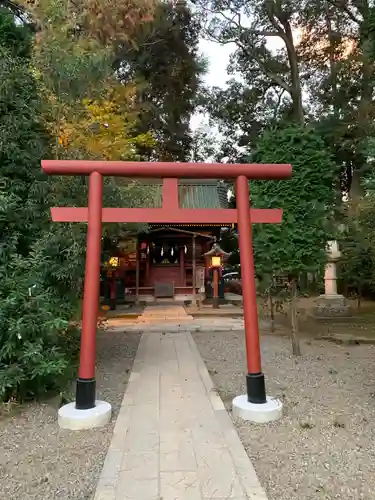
{"type": "Point", "coordinates": [324, 447]}
{"type": "Point", "coordinates": [38, 461]}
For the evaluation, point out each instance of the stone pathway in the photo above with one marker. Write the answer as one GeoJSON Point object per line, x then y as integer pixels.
{"type": "Point", "coordinates": [169, 317]}
{"type": "Point", "coordinates": [173, 439]}
{"type": "Point", "coordinates": [173, 318]}
{"type": "Point", "coordinates": [171, 313]}
{"type": "Point", "coordinates": [174, 325]}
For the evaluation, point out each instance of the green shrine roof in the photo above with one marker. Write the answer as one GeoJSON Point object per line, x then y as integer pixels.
{"type": "Point", "coordinates": [196, 194]}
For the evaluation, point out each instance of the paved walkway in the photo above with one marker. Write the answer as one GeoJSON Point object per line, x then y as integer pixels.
{"type": "Point", "coordinates": [167, 313]}
{"type": "Point", "coordinates": [173, 439]}
{"type": "Point", "coordinates": [208, 325]}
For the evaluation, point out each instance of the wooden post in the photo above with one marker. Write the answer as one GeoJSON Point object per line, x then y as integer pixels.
{"type": "Point", "coordinates": [194, 271]}
{"type": "Point", "coordinates": [137, 272]}
{"type": "Point", "coordinates": [256, 390]}
{"type": "Point", "coordinates": [215, 291]}
{"type": "Point", "coordinates": [207, 261]}
{"type": "Point", "coordinates": [86, 385]}
{"type": "Point", "coordinates": [182, 266]}
{"type": "Point", "coordinates": [147, 276]}
{"type": "Point", "coordinates": [113, 299]}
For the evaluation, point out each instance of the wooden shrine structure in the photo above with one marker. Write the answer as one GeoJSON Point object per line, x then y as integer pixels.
{"type": "Point", "coordinates": [168, 260]}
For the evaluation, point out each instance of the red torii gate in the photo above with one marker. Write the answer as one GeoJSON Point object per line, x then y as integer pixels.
{"type": "Point", "coordinates": [170, 213]}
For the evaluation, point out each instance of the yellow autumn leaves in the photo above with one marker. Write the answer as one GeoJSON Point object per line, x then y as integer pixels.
{"type": "Point", "coordinates": [103, 20]}
{"type": "Point", "coordinates": [107, 127]}
{"type": "Point", "coordinates": [90, 111]}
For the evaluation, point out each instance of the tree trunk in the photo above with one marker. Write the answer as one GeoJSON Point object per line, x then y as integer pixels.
{"type": "Point", "coordinates": [294, 310]}
{"type": "Point", "coordinates": [359, 298]}
{"type": "Point", "coordinates": [364, 117]}
{"type": "Point", "coordinates": [272, 311]}
{"type": "Point", "coordinates": [332, 58]}
{"type": "Point", "coordinates": [356, 191]}
{"type": "Point", "coordinates": [296, 90]}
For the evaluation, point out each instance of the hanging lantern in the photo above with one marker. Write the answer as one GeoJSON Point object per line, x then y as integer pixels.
{"type": "Point", "coordinates": [114, 262]}
{"type": "Point", "coordinates": [185, 249]}
{"type": "Point", "coordinates": [148, 249]}
{"type": "Point", "coordinates": [162, 252]}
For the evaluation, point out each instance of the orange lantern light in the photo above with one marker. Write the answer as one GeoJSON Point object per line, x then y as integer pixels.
{"type": "Point", "coordinates": [216, 261]}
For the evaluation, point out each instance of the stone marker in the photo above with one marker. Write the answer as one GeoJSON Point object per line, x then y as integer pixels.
{"type": "Point", "coordinates": [331, 304]}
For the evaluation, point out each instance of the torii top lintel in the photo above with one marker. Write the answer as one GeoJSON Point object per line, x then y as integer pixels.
{"type": "Point", "coordinates": [170, 212]}
{"type": "Point", "coordinates": [167, 169]}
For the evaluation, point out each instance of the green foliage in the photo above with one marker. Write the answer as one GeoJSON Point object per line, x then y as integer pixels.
{"type": "Point", "coordinates": [299, 243]}
{"type": "Point", "coordinates": [17, 40]}
{"type": "Point", "coordinates": [203, 145]}
{"type": "Point", "coordinates": [229, 243]}
{"type": "Point", "coordinates": [36, 342]}
{"type": "Point", "coordinates": [33, 357]}
{"type": "Point", "coordinates": [310, 62]}
{"type": "Point", "coordinates": [41, 264]}
{"type": "Point", "coordinates": [22, 141]}
{"type": "Point", "coordinates": [167, 65]}
{"type": "Point", "coordinates": [44, 91]}
{"type": "Point", "coordinates": [356, 268]}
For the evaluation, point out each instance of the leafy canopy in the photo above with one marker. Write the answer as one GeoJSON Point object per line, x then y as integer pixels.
{"type": "Point", "coordinates": [32, 352]}
{"type": "Point", "coordinates": [167, 64]}
{"type": "Point", "coordinates": [299, 243]}
{"type": "Point", "coordinates": [42, 264]}
{"type": "Point", "coordinates": [107, 127]}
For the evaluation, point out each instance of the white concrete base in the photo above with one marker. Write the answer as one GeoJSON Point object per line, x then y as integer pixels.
{"type": "Point", "coordinates": [76, 420]}
{"type": "Point", "coordinates": [258, 413]}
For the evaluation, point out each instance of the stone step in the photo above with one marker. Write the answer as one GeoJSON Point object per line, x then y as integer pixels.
{"type": "Point", "coordinates": [170, 314]}
{"type": "Point", "coordinates": [162, 321]}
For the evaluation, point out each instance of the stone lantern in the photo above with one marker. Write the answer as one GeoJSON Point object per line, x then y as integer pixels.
{"type": "Point", "coordinates": [331, 304]}
{"type": "Point", "coordinates": [216, 257]}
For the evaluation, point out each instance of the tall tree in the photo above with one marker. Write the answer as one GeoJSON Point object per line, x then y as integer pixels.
{"type": "Point", "coordinates": [42, 264]}
{"type": "Point", "coordinates": [203, 145]}
{"type": "Point", "coordinates": [19, 102]}
{"type": "Point", "coordinates": [298, 245]}
{"type": "Point", "coordinates": [322, 74]}
{"type": "Point", "coordinates": [30, 356]}
{"type": "Point", "coordinates": [336, 54]}
{"type": "Point", "coordinates": [167, 66]}
{"type": "Point", "coordinates": [106, 128]}
{"type": "Point", "coordinates": [249, 25]}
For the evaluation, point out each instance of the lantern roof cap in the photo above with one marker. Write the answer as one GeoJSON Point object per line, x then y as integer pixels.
{"type": "Point", "coordinates": [217, 250]}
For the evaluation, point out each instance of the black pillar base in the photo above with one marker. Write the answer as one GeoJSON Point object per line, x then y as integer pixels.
{"type": "Point", "coordinates": [85, 393]}
{"type": "Point", "coordinates": [215, 303]}
{"type": "Point", "coordinates": [256, 388]}
{"type": "Point", "coordinates": [112, 303]}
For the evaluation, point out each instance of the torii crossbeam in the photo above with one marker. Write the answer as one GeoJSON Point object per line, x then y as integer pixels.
{"type": "Point", "coordinates": [170, 213]}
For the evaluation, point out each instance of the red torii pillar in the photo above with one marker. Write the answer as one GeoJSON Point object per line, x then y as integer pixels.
{"type": "Point", "coordinates": [170, 213]}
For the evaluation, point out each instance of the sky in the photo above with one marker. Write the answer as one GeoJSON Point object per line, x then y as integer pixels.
{"type": "Point", "coordinates": [218, 57]}
{"type": "Point", "coordinates": [218, 60]}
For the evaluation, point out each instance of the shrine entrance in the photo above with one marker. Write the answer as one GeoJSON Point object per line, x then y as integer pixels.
{"type": "Point", "coordinates": [164, 262]}
{"type": "Point", "coordinates": [170, 213]}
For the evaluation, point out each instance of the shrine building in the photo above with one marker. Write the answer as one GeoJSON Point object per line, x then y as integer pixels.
{"type": "Point", "coordinates": [168, 261]}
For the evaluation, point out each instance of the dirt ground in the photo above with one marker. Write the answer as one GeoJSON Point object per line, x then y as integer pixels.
{"type": "Point", "coordinates": [38, 461]}
{"type": "Point", "coordinates": [361, 323]}
{"type": "Point", "coordinates": [323, 448]}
